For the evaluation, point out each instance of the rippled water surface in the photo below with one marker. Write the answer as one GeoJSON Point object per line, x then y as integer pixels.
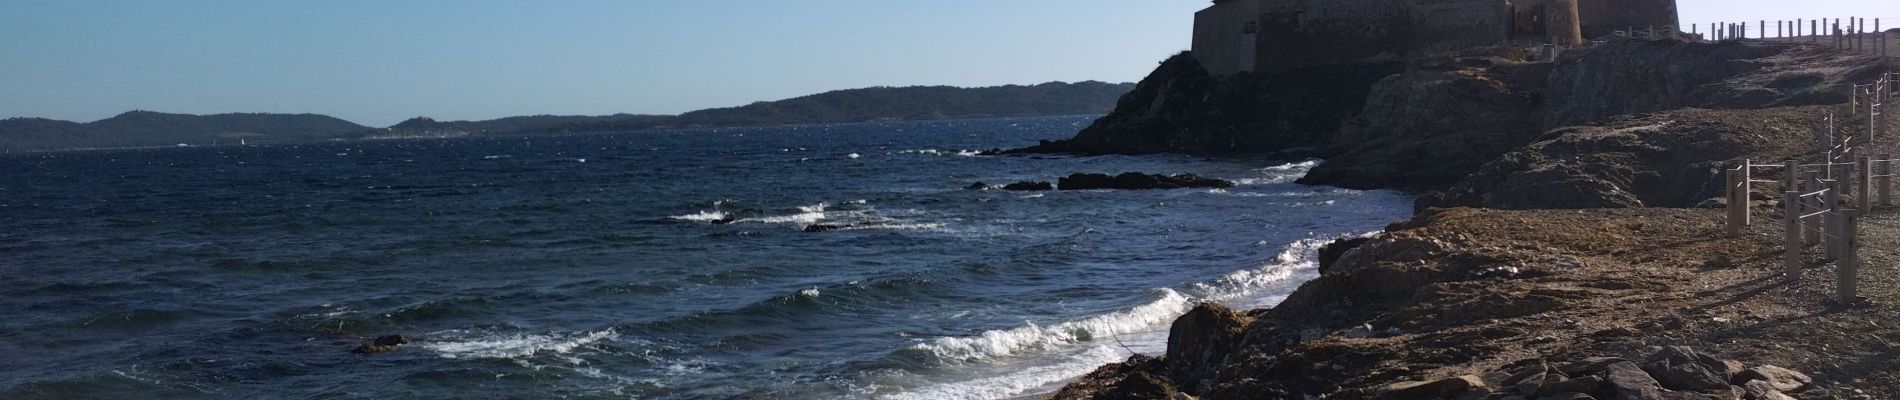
{"type": "Point", "coordinates": [598, 266]}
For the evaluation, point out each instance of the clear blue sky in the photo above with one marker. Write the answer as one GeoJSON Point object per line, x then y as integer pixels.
{"type": "Point", "coordinates": [378, 62]}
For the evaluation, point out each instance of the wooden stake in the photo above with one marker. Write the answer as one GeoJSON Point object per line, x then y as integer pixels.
{"type": "Point", "coordinates": [1735, 208]}
{"type": "Point", "coordinates": [1847, 268]}
{"type": "Point", "coordinates": [1791, 234]}
{"type": "Point", "coordinates": [1864, 176]}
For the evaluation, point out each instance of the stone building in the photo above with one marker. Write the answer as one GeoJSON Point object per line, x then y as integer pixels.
{"type": "Point", "coordinates": [1267, 35]}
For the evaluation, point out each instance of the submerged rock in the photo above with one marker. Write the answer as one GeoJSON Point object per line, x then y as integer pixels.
{"type": "Point", "coordinates": [1137, 180]}
{"type": "Point", "coordinates": [381, 344]}
{"type": "Point", "coordinates": [977, 186]}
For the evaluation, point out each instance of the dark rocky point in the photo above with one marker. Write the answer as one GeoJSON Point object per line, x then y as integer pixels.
{"type": "Point", "coordinates": [1029, 186]}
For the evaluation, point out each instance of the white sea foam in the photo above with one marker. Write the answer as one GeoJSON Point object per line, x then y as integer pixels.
{"type": "Point", "coordinates": [806, 215]}
{"type": "Point", "coordinates": [1031, 337]}
{"type": "Point", "coordinates": [702, 216]}
{"type": "Point", "coordinates": [465, 344]}
{"type": "Point", "coordinates": [1019, 382]}
{"type": "Point", "coordinates": [894, 226]}
{"type": "Point", "coordinates": [1143, 323]}
{"type": "Point", "coordinates": [1282, 173]}
{"type": "Point", "coordinates": [935, 152]}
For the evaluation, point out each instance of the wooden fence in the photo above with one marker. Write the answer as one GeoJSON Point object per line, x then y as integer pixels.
{"type": "Point", "coordinates": [1815, 196]}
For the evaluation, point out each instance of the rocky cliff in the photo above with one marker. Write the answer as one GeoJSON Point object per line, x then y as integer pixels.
{"type": "Point", "coordinates": [1180, 108]}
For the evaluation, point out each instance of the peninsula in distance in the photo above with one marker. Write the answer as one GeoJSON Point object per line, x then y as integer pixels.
{"type": "Point", "coordinates": [140, 128]}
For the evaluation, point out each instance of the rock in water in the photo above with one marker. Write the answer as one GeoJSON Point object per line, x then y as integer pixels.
{"type": "Point", "coordinates": [977, 186]}
{"type": "Point", "coordinates": [1137, 180]}
{"type": "Point", "coordinates": [391, 340]}
{"type": "Point", "coordinates": [825, 227]}
{"type": "Point", "coordinates": [1029, 186]}
{"type": "Point", "coordinates": [381, 344]}
{"type": "Point", "coordinates": [1199, 342]}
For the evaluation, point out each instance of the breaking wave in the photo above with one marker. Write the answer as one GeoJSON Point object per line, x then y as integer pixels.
{"type": "Point", "coordinates": [469, 344]}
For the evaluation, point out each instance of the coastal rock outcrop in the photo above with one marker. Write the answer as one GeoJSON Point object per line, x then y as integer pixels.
{"type": "Point", "coordinates": [1029, 186]}
{"type": "Point", "coordinates": [1181, 108]}
{"type": "Point", "coordinates": [1431, 125]}
{"type": "Point", "coordinates": [1138, 181]}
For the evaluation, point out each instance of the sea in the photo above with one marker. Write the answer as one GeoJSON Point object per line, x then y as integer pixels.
{"type": "Point", "coordinates": [639, 265]}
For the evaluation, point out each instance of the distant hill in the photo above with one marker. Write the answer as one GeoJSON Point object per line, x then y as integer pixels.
{"type": "Point", "coordinates": [429, 126]}
{"type": "Point", "coordinates": [891, 104]}
{"type": "Point", "coordinates": [146, 128]}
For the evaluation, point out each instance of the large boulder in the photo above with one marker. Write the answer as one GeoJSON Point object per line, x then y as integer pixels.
{"type": "Point", "coordinates": [1330, 253]}
{"type": "Point", "coordinates": [1200, 341]}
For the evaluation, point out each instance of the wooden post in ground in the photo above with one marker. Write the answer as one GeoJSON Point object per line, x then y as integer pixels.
{"type": "Point", "coordinates": [1814, 30]}
{"type": "Point", "coordinates": [1832, 203]}
{"type": "Point", "coordinates": [1764, 29]}
{"type": "Point", "coordinates": [1736, 209]}
{"type": "Point", "coordinates": [1791, 234]}
{"type": "Point", "coordinates": [1885, 185]}
{"type": "Point", "coordinates": [1847, 268]}
{"type": "Point", "coordinates": [1864, 176]}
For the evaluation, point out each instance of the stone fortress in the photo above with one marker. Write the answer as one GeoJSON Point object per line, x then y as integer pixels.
{"type": "Point", "coordinates": [1270, 35]}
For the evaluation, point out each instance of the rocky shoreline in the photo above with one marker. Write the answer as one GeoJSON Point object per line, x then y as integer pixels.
{"type": "Point", "coordinates": [1556, 229]}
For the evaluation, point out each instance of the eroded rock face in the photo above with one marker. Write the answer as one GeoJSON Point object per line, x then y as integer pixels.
{"type": "Point", "coordinates": [1430, 126]}
{"type": "Point", "coordinates": [1200, 341]}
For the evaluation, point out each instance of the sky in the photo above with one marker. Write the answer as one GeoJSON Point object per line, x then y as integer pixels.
{"type": "Point", "coordinates": [379, 62]}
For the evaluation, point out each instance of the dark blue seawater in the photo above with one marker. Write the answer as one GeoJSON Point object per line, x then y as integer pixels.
{"type": "Point", "coordinates": [590, 266]}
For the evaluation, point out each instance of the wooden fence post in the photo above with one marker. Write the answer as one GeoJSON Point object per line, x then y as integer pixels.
{"type": "Point", "coordinates": [1736, 196]}
{"type": "Point", "coordinates": [1791, 233]}
{"type": "Point", "coordinates": [1863, 176]}
{"type": "Point", "coordinates": [1847, 268]}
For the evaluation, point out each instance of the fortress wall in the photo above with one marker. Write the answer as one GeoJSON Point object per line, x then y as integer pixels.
{"type": "Point", "coordinates": [1221, 41]}
{"type": "Point", "coordinates": [1296, 33]}
{"type": "Point", "coordinates": [1601, 17]}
